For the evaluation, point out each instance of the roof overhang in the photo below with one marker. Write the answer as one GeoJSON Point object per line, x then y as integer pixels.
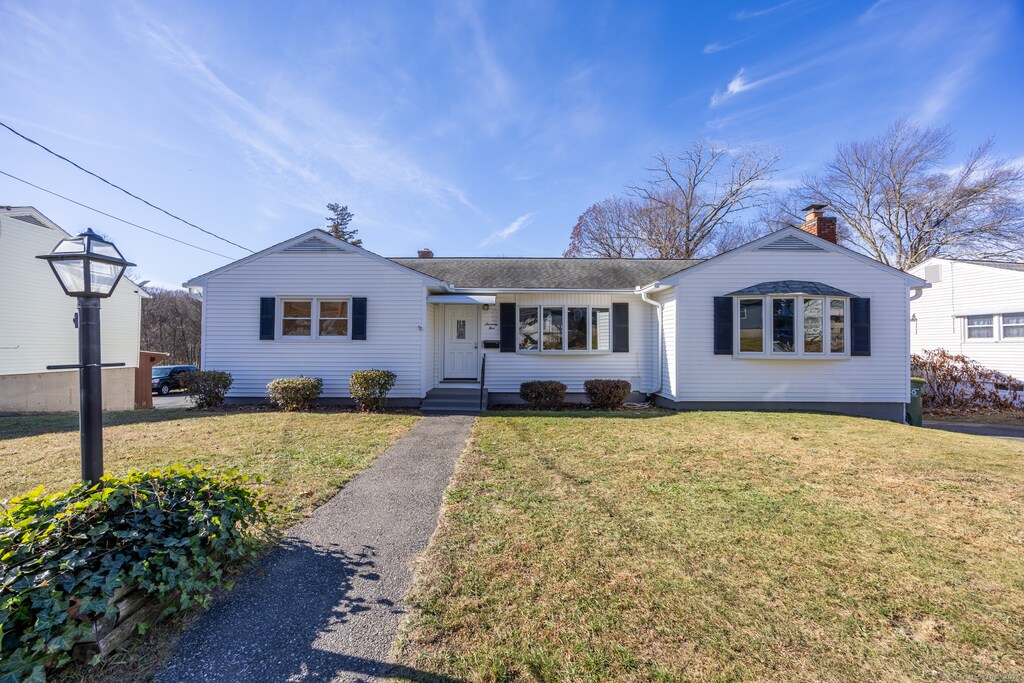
{"type": "Point", "coordinates": [460, 299]}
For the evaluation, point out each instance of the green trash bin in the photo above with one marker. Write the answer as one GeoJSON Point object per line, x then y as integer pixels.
{"type": "Point", "coordinates": [915, 411]}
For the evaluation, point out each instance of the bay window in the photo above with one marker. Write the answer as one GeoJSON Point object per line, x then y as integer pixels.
{"type": "Point", "coordinates": [791, 326]}
{"type": "Point", "coordinates": [559, 329]}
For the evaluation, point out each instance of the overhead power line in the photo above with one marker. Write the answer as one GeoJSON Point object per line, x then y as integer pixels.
{"type": "Point", "coordinates": [118, 187]}
{"type": "Point", "coordinates": [109, 215]}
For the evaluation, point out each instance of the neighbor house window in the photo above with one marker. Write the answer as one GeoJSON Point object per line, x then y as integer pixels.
{"type": "Point", "coordinates": [791, 326]}
{"type": "Point", "coordinates": [315, 318]}
{"type": "Point", "coordinates": [577, 329]}
{"type": "Point", "coordinates": [1013, 325]}
{"type": "Point", "coordinates": [980, 327]}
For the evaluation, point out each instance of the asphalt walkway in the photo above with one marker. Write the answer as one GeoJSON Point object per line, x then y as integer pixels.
{"type": "Point", "coordinates": [978, 428]}
{"type": "Point", "coordinates": [327, 604]}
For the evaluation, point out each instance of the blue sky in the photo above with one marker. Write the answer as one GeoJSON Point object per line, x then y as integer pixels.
{"type": "Point", "coordinates": [472, 128]}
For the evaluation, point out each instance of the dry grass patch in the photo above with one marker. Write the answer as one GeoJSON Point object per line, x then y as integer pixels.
{"type": "Point", "coordinates": [303, 458]}
{"type": "Point", "coordinates": [724, 546]}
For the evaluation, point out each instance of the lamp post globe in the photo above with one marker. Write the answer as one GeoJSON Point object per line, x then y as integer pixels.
{"type": "Point", "coordinates": [88, 268]}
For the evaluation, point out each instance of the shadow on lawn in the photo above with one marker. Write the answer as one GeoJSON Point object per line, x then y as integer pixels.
{"type": "Point", "coordinates": [295, 617]}
{"type": "Point", "coordinates": [18, 426]}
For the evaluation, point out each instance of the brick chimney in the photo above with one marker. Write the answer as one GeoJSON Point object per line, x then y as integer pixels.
{"type": "Point", "coordinates": [426, 253]}
{"type": "Point", "coordinates": [818, 224]}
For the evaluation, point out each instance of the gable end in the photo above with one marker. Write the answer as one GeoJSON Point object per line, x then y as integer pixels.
{"type": "Point", "coordinates": [790, 243]}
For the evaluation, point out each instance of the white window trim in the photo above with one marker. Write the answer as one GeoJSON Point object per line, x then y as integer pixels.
{"type": "Point", "coordinates": [314, 332]}
{"type": "Point", "coordinates": [798, 326]}
{"type": "Point", "coordinates": [564, 351]}
{"type": "Point", "coordinates": [998, 337]}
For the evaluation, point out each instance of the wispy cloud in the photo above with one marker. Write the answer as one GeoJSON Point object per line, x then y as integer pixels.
{"type": "Point", "coordinates": [712, 48]}
{"type": "Point", "coordinates": [743, 15]}
{"type": "Point", "coordinates": [740, 84]}
{"type": "Point", "coordinates": [509, 230]}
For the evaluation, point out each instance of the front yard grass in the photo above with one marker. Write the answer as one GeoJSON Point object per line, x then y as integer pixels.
{"type": "Point", "coordinates": [724, 546]}
{"type": "Point", "coordinates": [303, 458]}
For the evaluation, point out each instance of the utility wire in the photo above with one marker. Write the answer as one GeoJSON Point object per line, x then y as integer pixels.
{"type": "Point", "coordinates": [108, 215]}
{"type": "Point", "coordinates": [118, 187]}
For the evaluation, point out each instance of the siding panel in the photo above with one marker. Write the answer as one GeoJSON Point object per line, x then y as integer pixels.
{"type": "Point", "coordinates": [395, 326]}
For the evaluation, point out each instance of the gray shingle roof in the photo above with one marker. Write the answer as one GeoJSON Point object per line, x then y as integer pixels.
{"type": "Point", "coordinates": [790, 287]}
{"type": "Point", "coordinates": [546, 273]}
{"type": "Point", "coordinates": [1004, 265]}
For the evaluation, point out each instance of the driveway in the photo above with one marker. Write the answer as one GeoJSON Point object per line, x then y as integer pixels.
{"type": "Point", "coordinates": [326, 605]}
{"type": "Point", "coordinates": [178, 399]}
{"type": "Point", "coordinates": [978, 429]}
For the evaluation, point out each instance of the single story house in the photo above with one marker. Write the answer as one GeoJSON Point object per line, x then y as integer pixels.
{"type": "Point", "coordinates": [790, 320]}
{"type": "Point", "coordinates": [973, 308]}
{"type": "Point", "coordinates": [37, 328]}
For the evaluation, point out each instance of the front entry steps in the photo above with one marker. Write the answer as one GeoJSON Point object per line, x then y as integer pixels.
{"type": "Point", "coordinates": [451, 401]}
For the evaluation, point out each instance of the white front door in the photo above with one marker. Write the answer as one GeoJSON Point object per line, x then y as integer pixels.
{"type": "Point", "coordinates": [461, 341]}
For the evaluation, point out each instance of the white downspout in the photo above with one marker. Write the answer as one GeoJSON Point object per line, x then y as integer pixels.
{"type": "Point", "coordinates": [660, 320]}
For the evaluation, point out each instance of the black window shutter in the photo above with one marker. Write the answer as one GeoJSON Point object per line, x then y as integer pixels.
{"type": "Point", "coordinates": [507, 327]}
{"type": "Point", "coordinates": [860, 326]}
{"type": "Point", "coordinates": [620, 328]}
{"type": "Point", "coordinates": [267, 306]}
{"type": "Point", "coordinates": [359, 317]}
{"type": "Point", "coordinates": [723, 325]}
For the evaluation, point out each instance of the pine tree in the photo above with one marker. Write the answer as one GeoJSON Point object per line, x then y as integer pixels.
{"type": "Point", "coordinates": [337, 225]}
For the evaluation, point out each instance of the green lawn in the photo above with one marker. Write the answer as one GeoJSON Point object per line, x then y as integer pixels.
{"type": "Point", "coordinates": [724, 546]}
{"type": "Point", "coordinates": [303, 457]}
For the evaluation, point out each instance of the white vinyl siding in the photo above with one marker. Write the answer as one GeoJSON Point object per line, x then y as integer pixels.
{"type": "Point", "coordinates": [966, 290]}
{"type": "Point", "coordinates": [36, 315]}
{"type": "Point", "coordinates": [882, 377]}
{"type": "Point", "coordinates": [396, 304]}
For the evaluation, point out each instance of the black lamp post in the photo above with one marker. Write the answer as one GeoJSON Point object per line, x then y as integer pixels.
{"type": "Point", "coordinates": [88, 268]}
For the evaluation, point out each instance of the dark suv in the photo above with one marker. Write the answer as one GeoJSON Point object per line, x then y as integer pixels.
{"type": "Point", "coordinates": [167, 377]}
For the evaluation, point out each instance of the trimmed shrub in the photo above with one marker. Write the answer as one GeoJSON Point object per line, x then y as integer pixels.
{"type": "Point", "coordinates": [607, 394]}
{"type": "Point", "coordinates": [295, 393]}
{"type": "Point", "coordinates": [207, 387]}
{"type": "Point", "coordinates": [542, 394]}
{"type": "Point", "coordinates": [959, 383]}
{"type": "Point", "coordinates": [169, 533]}
{"type": "Point", "coordinates": [370, 388]}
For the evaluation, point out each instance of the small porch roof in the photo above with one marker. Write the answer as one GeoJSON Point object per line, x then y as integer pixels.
{"type": "Point", "coordinates": [790, 287]}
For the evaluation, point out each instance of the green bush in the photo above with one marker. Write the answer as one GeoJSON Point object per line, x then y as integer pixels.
{"type": "Point", "coordinates": [295, 393]}
{"type": "Point", "coordinates": [207, 387]}
{"type": "Point", "coordinates": [542, 395]}
{"type": "Point", "coordinates": [370, 388]}
{"type": "Point", "coordinates": [170, 533]}
{"type": "Point", "coordinates": [606, 394]}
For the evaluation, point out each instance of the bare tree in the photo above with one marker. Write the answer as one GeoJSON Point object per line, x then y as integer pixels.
{"type": "Point", "coordinates": [172, 323]}
{"type": "Point", "coordinates": [690, 206]}
{"type": "Point", "coordinates": [605, 230]}
{"type": "Point", "coordinates": [899, 199]}
{"type": "Point", "coordinates": [704, 190]}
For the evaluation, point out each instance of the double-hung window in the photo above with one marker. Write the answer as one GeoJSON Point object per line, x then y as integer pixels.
{"type": "Point", "coordinates": [1013, 326]}
{"type": "Point", "coordinates": [314, 318]}
{"type": "Point", "coordinates": [980, 327]}
{"type": "Point", "coordinates": [792, 326]}
{"type": "Point", "coordinates": [560, 329]}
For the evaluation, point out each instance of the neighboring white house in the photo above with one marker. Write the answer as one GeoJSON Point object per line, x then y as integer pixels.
{"type": "Point", "coordinates": [37, 328]}
{"type": "Point", "coordinates": [790, 320]}
{"type": "Point", "coordinates": [974, 308]}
